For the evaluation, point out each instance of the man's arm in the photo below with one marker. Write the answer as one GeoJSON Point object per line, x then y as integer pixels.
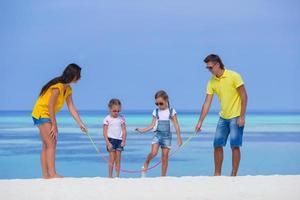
{"type": "Point", "coordinates": [244, 99]}
{"type": "Point", "coordinates": [204, 111]}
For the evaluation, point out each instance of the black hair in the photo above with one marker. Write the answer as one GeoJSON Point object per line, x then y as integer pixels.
{"type": "Point", "coordinates": [214, 58]}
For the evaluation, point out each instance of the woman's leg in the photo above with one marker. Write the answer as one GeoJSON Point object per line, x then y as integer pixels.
{"type": "Point", "coordinates": [165, 159]}
{"type": "Point", "coordinates": [44, 161]}
{"type": "Point", "coordinates": [151, 155]}
{"type": "Point", "coordinates": [48, 152]}
{"type": "Point", "coordinates": [118, 163]}
{"type": "Point", "coordinates": [112, 157]}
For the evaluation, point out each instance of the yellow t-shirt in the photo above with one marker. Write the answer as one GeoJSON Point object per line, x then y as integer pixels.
{"type": "Point", "coordinates": [226, 89]}
{"type": "Point", "coordinates": [41, 106]}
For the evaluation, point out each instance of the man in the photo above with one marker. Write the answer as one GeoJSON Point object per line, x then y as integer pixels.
{"type": "Point", "coordinates": [230, 89]}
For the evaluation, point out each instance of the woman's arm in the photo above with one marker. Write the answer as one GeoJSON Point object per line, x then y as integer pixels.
{"type": "Point", "coordinates": [124, 134]}
{"type": "Point", "coordinates": [75, 114]}
{"type": "Point", "coordinates": [177, 128]}
{"type": "Point", "coordinates": [149, 128]}
{"type": "Point", "coordinates": [52, 101]}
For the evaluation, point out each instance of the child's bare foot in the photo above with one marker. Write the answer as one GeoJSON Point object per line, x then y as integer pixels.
{"type": "Point", "coordinates": [144, 170]}
{"type": "Point", "coordinates": [56, 176]}
{"type": "Point", "coordinates": [145, 167]}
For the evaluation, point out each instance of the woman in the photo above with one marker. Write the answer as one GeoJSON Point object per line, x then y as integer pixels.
{"type": "Point", "coordinates": [51, 99]}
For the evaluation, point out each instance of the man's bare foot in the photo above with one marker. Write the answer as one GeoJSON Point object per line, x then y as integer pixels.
{"type": "Point", "coordinates": [45, 177]}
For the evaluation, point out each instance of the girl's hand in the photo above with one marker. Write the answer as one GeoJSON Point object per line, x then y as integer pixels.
{"type": "Point", "coordinates": [138, 130]}
{"type": "Point", "coordinates": [179, 141]}
{"type": "Point", "coordinates": [53, 132]}
{"type": "Point", "coordinates": [109, 146]}
{"type": "Point", "coordinates": [123, 144]}
{"type": "Point", "coordinates": [83, 128]}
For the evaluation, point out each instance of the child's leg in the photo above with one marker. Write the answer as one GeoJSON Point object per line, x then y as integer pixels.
{"type": "Point", "coordinates": [112, 157]}
{"type": "Point", "coordinates": [165, 159]}
{"type": "Point", "coordinates": [48, 152]}
{"type": "Point", "coordinates": [151, 155]}
{"type": "Point", "coordinates": [118, 163]}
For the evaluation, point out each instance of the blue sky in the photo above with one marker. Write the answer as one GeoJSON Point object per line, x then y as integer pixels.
{"type": "Point", "coordinates": [131, 49]}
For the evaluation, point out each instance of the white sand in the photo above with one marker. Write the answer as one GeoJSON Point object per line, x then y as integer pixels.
{"type": "Point", "coordinates": [168, 188]}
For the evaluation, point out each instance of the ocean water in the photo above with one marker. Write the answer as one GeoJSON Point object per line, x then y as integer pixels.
{"type": "Point", "coordinates": [271, 146]}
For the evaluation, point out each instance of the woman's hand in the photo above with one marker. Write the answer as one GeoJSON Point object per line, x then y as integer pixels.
{"type": "Point", "coordinates": [53, 131]}
{"type": "Point", "coordinates": [83, 128]}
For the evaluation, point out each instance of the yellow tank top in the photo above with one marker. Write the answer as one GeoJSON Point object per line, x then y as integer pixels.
{"type": "Point", "coordinates": [40, 109]}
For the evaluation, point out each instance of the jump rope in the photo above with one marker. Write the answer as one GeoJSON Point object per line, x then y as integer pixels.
{"type": "Point", "coordinates": [103, 157]}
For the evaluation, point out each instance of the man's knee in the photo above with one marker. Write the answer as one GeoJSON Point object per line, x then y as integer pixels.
{"type": "Point", "coordinates": [235, 149]}
{"type": "Point", "coordinates": [218, 149]}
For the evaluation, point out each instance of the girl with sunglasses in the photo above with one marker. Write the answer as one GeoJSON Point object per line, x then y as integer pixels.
{"type": "Point", "coordinates": [114, 132]}
{"type": "Point", "coordinates": [161, 124]}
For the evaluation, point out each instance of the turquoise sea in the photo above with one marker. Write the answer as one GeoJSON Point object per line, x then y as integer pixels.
{"type": "Point", "coordinates": [271, 146]}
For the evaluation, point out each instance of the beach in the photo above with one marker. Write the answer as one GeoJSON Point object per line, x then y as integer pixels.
{"type": "Point", "coordinates": [175, 188]}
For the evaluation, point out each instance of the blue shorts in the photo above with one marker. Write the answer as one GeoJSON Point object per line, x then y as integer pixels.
{"type": "Point", "coordinates": [40, 121]}
{"type": "Point", "coordinates": [164, 139]}
{"type": "Point", "coordinates": [228, 127]}
{"type": "Point", "coordinates": [116, 145]}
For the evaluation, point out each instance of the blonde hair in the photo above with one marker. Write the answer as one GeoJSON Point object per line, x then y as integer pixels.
{"type": "Point", "coordinates": [114, 102]}
{"type": "Point", "coordinates": [162, 94]}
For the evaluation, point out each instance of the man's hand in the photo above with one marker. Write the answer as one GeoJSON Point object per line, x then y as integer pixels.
{"type": "Point", "coordinates": [198, 127]}
{"type": "Point", "coordinates": [241, 121]}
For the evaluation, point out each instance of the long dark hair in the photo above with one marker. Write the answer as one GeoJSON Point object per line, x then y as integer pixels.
{"type": "Point", "coordinates": [71, 73]}
{"type": "Point", "coordinates": [163, 94]}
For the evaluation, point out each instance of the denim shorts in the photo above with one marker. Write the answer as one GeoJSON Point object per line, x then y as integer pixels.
{"type": "Point", "coordinates": [228, 127]}
{"type": "Point", "coordinates": [116, 145]}
{"type": "Point", "coordinates": [40, 121]}
{"type": "Point", "coordinates": [164, 139]}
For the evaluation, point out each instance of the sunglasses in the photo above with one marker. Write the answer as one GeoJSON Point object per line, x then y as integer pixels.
{"type": "Point", "coordinates": [210, 67]}
{"type": "Point", "coordinates": [116, 111]}
{"type": "Point", "coordinates": [159, 103]}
